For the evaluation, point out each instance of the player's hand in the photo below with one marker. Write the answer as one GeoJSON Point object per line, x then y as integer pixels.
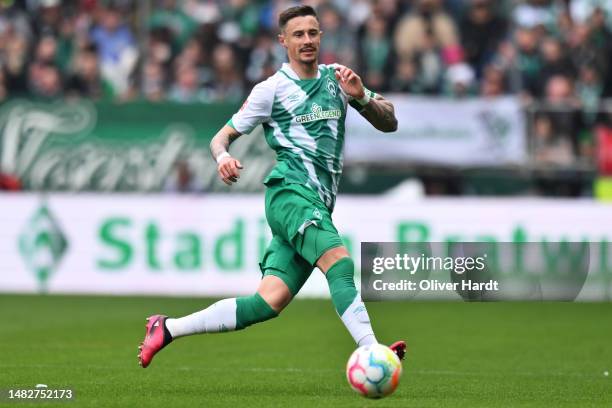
{"type": "Point", "coordinates": [350, 82]}
{"type": "Point", "coordinates": [229, 170]}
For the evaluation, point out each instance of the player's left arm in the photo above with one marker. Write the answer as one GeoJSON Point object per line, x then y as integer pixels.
{"type": "Point", "coordinates": [375, 108]}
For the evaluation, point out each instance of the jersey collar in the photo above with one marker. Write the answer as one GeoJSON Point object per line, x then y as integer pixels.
{"type": "Point", "coordinates": [286, 68]}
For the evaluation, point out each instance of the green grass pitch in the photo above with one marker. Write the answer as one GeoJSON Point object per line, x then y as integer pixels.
{"type": "Point", "coordinates": [460, 354]}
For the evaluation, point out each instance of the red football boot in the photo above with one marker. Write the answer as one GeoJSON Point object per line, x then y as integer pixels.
{"type": "Point", "coordinates": [156, 338]}
{"type": "Point", "coordinates": [399, 348]}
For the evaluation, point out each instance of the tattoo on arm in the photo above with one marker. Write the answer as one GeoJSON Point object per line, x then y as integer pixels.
{"type": "Point", "coordinates": [222, 140]}
{"type": "Point", "coordinates": [381, 114]}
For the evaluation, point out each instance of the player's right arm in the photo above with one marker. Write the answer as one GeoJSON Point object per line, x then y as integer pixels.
{"type": "Point", "coordinates": [255, 110]}
{"type": "Point", "coordinates": [227, 167]}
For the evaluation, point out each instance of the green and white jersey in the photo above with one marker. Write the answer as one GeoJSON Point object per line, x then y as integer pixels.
{"type": "Point", "coordinates": [303, 121]}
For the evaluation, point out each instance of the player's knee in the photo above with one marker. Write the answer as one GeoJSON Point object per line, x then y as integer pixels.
{"type": "Point", "coordinates": [331, 257]}
{"type": "Point", "coordinates": [277, 301]}
{"type": "Point", "coordinates": [275, 292]}
{"type": "Point", "coordinates": [253, 309]}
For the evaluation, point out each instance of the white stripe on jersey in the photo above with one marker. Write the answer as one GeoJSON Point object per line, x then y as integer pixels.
{"type": "Point", "coordinates": [297, 131]}
{"type": "Point", "coordinates": [312, 174]}
{"type": "Point", "coordinates": [333, 126]}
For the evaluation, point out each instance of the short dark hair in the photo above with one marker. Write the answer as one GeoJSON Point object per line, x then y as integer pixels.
{"type": "Point", "coordinates": [293, 12]}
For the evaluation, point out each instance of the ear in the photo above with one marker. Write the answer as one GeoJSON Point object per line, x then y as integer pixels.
{"type": "Point", "coordinates": [281, 40]}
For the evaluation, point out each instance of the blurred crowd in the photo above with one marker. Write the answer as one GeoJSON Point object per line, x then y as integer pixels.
{"type": "Point", "coordinates": [212, 50]}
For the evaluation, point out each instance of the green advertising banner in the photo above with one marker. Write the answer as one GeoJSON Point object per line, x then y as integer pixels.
{"type": "Point", "coordinates": [211, 245]}
{"type": "Point", "coordinates": [81, 146]}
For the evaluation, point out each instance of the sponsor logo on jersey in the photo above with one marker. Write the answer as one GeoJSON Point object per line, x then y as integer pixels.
{"type": "Point", "coordinates": [318, 114]}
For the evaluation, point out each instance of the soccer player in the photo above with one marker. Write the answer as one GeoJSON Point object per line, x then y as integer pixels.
{"type": "Point", "coordinates": [302, 108]}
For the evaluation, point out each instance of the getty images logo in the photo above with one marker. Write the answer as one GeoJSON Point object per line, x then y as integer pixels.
{"type": "Point", "coordinates": [42, 245]}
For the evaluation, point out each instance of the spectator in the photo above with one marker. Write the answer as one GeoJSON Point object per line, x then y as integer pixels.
{"type": "Point", "coordinates": [457, 8]}
{"type": "Point", "coordinates": [481, 33]}
{"type": "Point", "coordinates": [528, 60]}
{"type": "Point", "coordinates": [159, 47]}
{"type": "Point", "coordinates": [66, 44]}
{"type": "Point", "coordinates": [86, 81]}
{"type": "Point", "coordinates": [492, 82]}
{"type": "Point", "coordinates": [358, 11]}
{"type": "Point", "coordinates": [563, 27]}
{"type": "Point", "coordinates": [589, 90]}
{"type": "Point", "coordinates": [390, 10]}
{"type": "Point", "coordinates": [554, 61]}
{"type": "Point", "coordinates": [399, 45]}
{"type": "Point", "coordinates": [153, 81]}
{"type": "Point", "coordinates": [557, 125]}
{"type": "Point", "coordinates": [46, 50]}
{"type": "Point", "coordinates": [15, 63]}
{"type": "Point", "coordinates": [191, 54]}
{"type": "Point", "coordinates": [338, 46]}
{"type": "Point", "coordinates": [116, 48]}
{"type": "Point", "coordinates": [601, 37]}
{"type": "Point", "coordinates": [47, 18]}
{"type": "Point", "coordinates": [13, 21]}
{"type": "Point", "coordinates": [405, 78]}
{"type": "Point", "coordinates": [186, 87]}
{"type": "Point", "coordinates": [203, 11]}
{"type": "Point", "coordinates": [430, 66]}
{"type": "Point", "coordinates": [582, 11]}
{"type": "Point", "coordinates": [428, 23]}
{"type": "Point", "coordinates": [536, 13]}
{"type": "Point", "coordinates": [169, 16]}
{"type": "Point", "coordinates": [228, 85]}
{"type": "Point", "coordinates": [375, 54]}
{"type": "Point", "coordinates": [240, 22]}
{"type": "Point", "coordinates": [583, 50]}
{"type": "Point", "coordinates": [264, 60]}
{"type": "Point", "coordinates": [45, 82]}
{"type": "Point", "coordinates": [44, 79]}
{"type": "Point", "coordinates": [460, 81]}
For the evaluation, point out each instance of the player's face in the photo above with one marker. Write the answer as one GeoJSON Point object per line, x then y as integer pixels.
{"type": "Point", "coordinates": [302, 38]}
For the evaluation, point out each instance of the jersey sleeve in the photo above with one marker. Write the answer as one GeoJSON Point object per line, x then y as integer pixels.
{"type": "Point", "coordinates": [256, 109]}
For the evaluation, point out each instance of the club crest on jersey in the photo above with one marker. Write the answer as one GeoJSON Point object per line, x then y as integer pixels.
{"type": "Point", "coordinates": [318, 114]}
{"type": "Point", "coordinates": [331, 87]}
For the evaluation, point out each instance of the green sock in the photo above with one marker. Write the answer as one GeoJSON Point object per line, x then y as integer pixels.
{"type": "Point", "coordinates": [341, 284]}
{"type": "Point", "coordinates": [252, 309]}
{"type": "Point", "coordinates": [348, 303]}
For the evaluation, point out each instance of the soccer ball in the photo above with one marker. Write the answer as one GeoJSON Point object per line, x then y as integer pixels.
{"type": "Point", "coordinates": [373, 371]}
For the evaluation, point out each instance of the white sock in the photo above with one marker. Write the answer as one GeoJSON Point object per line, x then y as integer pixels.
{"type": "Point", "coordinates": [357, 321]}
{"type": "Point", "coordinates": [218, 317]}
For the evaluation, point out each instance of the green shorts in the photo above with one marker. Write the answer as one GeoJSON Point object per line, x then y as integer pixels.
{"type": "Point", "coordinates": [302, 231]}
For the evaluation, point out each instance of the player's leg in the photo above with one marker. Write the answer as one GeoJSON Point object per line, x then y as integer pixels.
{"type": "Point", "coordinates": [284, 274]}
{"type": "Point", "coordinates": [225, 315]}
{"type": "Point", "coordinates": [235, 313]}
{"type": "Point", "coordinates": [323, 244]}
{"type": "Point", "coordinates": [339, 270]}
{"type": "Point", "coordinates": [296, 213]}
